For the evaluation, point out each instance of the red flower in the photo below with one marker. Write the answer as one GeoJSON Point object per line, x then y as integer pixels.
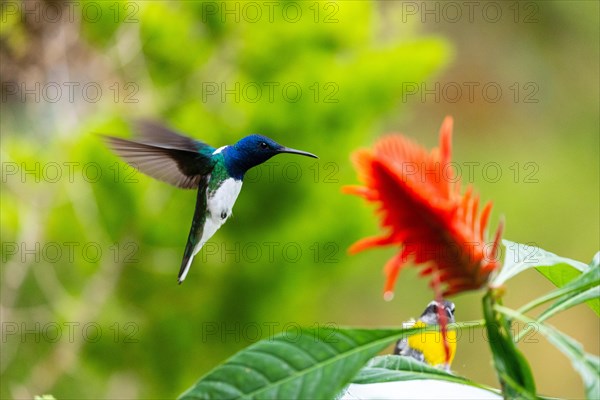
{"type": "Point", "coordinates": [421, 207]}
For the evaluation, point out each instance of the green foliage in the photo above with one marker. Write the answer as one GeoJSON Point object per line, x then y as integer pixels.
{"type": "Point", "coordinates": [583, 287]}
{"type": "Point", "coordinates": [318, 364]}
{"type": "Point", "coordinates": [309, 364]}
{"type": "Point", "coordinates": [520, 257]}
{"type": "Point", "coordinates": [587, 365]}
{"type": "Point", "coordinates": [512, 368]}
{"type": "Point", "coordinates": [392, 368]}
{"type": "Point", "coordinates": [586, 287]}
{"type": "Point", "coordinates": [591, 295]}
{"type": "Point", "coordinates": [561, 275]}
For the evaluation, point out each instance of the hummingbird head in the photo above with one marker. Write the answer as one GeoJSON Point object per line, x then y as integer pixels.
{"type": "Point", "coordinates": [252, 151]}
{"type": "Point", "coordinates": [431, 317]}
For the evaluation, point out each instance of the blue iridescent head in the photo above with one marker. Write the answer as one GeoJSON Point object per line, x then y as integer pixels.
{"type": "Point", "coordinates": [254, 150]}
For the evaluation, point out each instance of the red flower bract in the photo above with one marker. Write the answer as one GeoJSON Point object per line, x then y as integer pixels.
{"type": "Point", "coordinates": [419, 200]}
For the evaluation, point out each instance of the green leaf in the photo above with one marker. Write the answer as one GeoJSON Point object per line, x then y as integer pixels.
{"type": "Point", "coordinates": [587, 365]}
{"type": "Point", "coordinates": [568, 302]}
{"type": "Point", "coordinates": [591, 296]}
{"type": "Point", "coordinates": [313, 364]}
{"type": "Point", "coordinates": [520, 257]}
{"type": "Point", "coordinates": [559, 274]}
{"type": "Point", "coordinates": [513, 370]}
{"type": "Point", "coordinates": [392, 368]}
{"type": "Point", "coordinates": [571, 294]}
{"type": "Point", "coordinates": [595, 261]}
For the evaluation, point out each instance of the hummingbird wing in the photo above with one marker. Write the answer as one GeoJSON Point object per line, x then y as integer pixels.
{"type": "Point", "coordinates": [165, 155]}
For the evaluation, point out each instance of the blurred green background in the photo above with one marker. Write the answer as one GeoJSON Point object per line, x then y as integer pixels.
{"type": "Point", "coordinates": [90, 249]}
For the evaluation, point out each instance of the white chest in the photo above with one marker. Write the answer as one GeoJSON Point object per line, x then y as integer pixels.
{"type": "Point", "coordinates": [221, 202]}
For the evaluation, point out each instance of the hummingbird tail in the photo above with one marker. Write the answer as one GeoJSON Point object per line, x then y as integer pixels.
{"type": "Point", "coordinates": [185, 267]}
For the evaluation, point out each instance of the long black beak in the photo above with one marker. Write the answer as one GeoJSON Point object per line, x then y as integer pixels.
{"type": "Point", "coordinates": [299, 152]}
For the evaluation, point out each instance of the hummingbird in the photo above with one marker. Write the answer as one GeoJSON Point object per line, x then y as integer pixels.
{"type": "Point", "coordinates": [184, 162]}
